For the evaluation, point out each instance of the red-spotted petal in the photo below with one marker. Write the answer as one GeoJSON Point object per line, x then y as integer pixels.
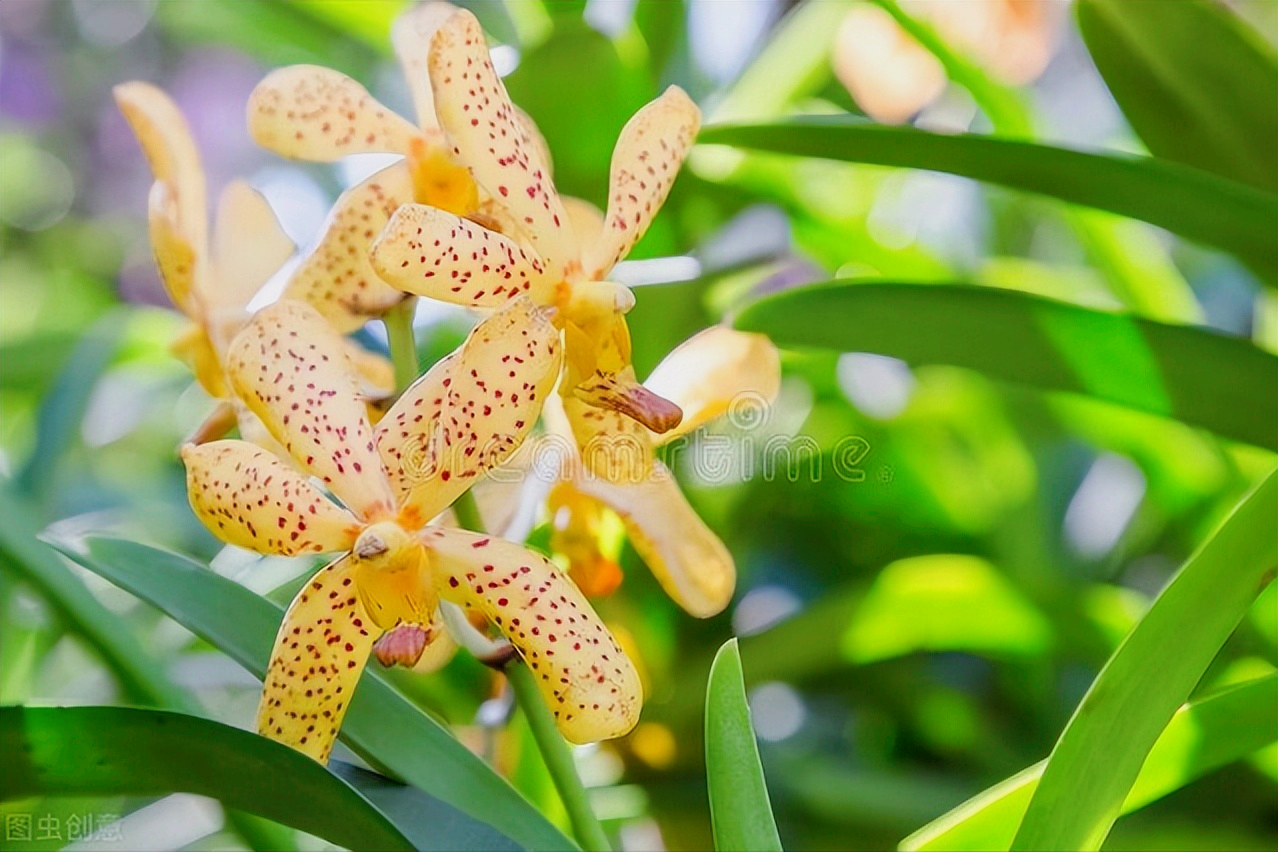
{"type": "Point", "coordinates": [319, 654]}
{"type": "Point", "coordinates": [489, 137]}
{"type": "Point", "coordinates": [337, 277]}
{"type": "Point", "coordinates": [588, 681]}
{"type": "Point", "coordinates": [248, 497]}
{"type": "Point", "coordinates": [307, 112]}
{"type": "Point", "coordinates": [291, 369]}
{"type": "Point", "coordinates": [438, 255]}
{"type": "Point", "coordinates": [411, 35]}
{"type": "Point", "coordinates": [471, 411]}
{"type": "Point", "coordinates": [645, 163]}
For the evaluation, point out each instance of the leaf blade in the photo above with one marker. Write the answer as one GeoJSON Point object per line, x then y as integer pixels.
{"type": "Point", "coordinates": [1097, 759]}
{"type": "Point", "coordinates": [1201, 206]}
{"type": "Point", "coordinates": [1170, 370]}
{"type": "Point", "coordinates": [740, 809]}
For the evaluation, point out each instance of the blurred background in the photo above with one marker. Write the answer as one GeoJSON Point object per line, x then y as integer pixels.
{"type": "Point", "coordinates": [919, 617]}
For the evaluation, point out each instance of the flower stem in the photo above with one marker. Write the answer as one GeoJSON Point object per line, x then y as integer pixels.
{"type": "Point", "coordinates": [403, 346]}
{"type": "Point", "coordinates": [467, 512]}
{"type": "Point", "coordinates": [558, 758]}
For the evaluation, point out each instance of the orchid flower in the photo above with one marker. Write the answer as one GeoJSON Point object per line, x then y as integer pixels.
{"type": "Point", "coordinates": [561, 251]}
{"type": "Point", "coordinates": [467, 413]}
{"type": "Point", "coordinates": [706, 375]}
{"type": "Point", "coordinates": [210, 276]}
{"type": "Point", "coordinates": [312, 113]}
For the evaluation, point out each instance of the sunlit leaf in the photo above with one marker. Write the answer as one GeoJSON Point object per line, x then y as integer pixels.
{"type": "Point", "coordinates": [739, 806]}
{"type": "Point", "coordinates": [1235, 217]}
{"type": "Point", "coordinates": [1164, 369]}
{"type": "Point", "coordinates": [1095, 763]}
{"type": "Point", "coordinates": [1205, 734]}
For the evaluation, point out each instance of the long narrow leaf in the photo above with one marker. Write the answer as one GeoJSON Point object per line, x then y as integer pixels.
{"type": "Point", "coordinates": [380, 724]}
{"type": "Point", "coordinates": [1095, 762]}
{"type": "Point", "coordinates": [739, 806]}
{"type": "Point", "coordinates": [1235, 217]}
{"type": "Point", "coordinates": [1204, 734]}
{"type": "Point", "coordinates": [1197, 83]}
{"type": "Point", "coordinates": [1220, 383]}
{"type": "Point", "coordinates": [124, 751]}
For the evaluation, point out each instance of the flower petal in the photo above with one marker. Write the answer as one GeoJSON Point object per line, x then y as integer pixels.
{"type": "Point", "coordinates": [175, 251]}
{"type": "Point", "coordinates": [291, 369]}
{"type": "Point", "coordinates": [645, 163]}
{"type": "Point", "coordinates": [307, 112]}
{"type": "Point", "coordinates": [248, 497]}
{"type": "Point", "coordinates": [435, 254]}
{"type": "Point", "coordinates": [488, 135]}
{"type": "Point", "coordinates": [686, 557]}
{"type": "Point", "coordinates": [319, 654]}
{"type": "Point", "coordinates": [175, 161]}
{"type": "Point", "coordinates": [586, 219]}
{"type": "Point", "coordinates": [337, 277]}
{"type": "Point", "coordinates": [621, 392]}
{"type": "Point", "coordinates": [714, 370]}
{"type": "Point", "coordinates": [411, 35]}
{"type": "Point", "coordinates": [588, 681]}
{"type": "Point", "coordinates": [470, 411]}
{"type": "Point", "coordinates": [249, 246]}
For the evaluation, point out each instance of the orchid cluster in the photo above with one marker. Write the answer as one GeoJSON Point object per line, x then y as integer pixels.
{"type": "Point", "coordinates": [469, 215]}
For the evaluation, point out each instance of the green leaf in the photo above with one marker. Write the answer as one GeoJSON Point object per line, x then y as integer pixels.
{"type": "Point", "coordinates": [123, 751]}
{"type": "Point", "coordinates": [1095, 762]}
{"type": "Point", "coordinates": [141, 676]}
{"type": "Point", "coordinates": [1235, 217]}
{"type": "Point", "coordinates": [1171, 370]}
{"type": "Point", "coordinates": [1205, 734]}
{"type": "Point", "coordinates": [1197, 84]}
{"type": "Point", "coordinates": [739, 806]}
{"type": "Point", "coordinates": [381, 725]}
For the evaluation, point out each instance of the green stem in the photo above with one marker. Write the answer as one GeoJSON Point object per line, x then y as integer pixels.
{"type": "Point", "coordinates": [554, 751]}
{"type": "Point", "coordinates": [467, 512]}
{"type": "Point", "coordinates": [403, 346]}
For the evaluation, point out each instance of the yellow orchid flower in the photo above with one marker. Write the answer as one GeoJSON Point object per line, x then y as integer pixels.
{"type": "Point", "coordinates": [312, 113]}
{"type": "Point", "coordinates": [561, 251]}
{"type": "Point", "coordinates": [211, 277]}
{"type": "Point", "coordinates": [706, 375]}
{"type": "Point", "coordinates": [466, 414]}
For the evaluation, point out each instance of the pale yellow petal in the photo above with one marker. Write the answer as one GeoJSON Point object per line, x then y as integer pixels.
{"type": "Point", "coordinates": [194, 348]}
{"type": "Point", "coordinates": [586, 219]}
{"type": "Point", "coordinates": [291, 369]}
{"type": "Point", "coordinates": [337, 278]}
{"type": "Point", "coordinates": [438, 255]}
{"type": "Point", "coordinates": [249, 246]}
{"type": "Point", "coordinates": [411, 35]}
{"type": "Point", "coordinates": [645, 162]}
{"type": "Point", "coordinates": [376, 372]}
{"type": "Point", "coordinates": [589, 683]}
{"type": "Point", "coordinates": [166, 141]}
{"type": "Point", "coordinates": [175, 251]}
{"type": "Point", "coordinates": [250, 498]}
{"type": "Point", "coordinates": [889, 74]}
{"type": "Point", "coordinates": [307, 112]}
{"type": "Point", "coordinates": [716, 371]}
{"type": "Point", "coordinates": [471, 411]}
{"type": "Point", "coordinates": [686, 557]}
{"type": "Point", "coordinates": [488, 136]}
{"type": "Point", "coordinates": [611, 445]}
{"type": "Point", "coordinates": [320, 652]}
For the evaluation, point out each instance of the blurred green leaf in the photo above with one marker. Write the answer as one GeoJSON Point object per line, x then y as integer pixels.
{"type": "Point", "coordinates": [141, 676]}
{"type": "Point", "coordinates": [1235, 217]}
{"type": "Point", "coordinates": [62, 409]}
{"type": "Point", "coordinates": [380, 725]}
{"type": "Point", "coordinates": [1205, 734]}
{"type": "Point", "coordinates": [944, 602]}
{"type": "Point", "coordinates": [1092, 769]}
{"type": "Point", "coordinates": [739, 806]}
{"type": "Point", "coordinates": [60, 751]}
{"type": "Point", "coordinates": [1164, 369]}
{"type": "Point", "coordinates": [1196, 82]}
